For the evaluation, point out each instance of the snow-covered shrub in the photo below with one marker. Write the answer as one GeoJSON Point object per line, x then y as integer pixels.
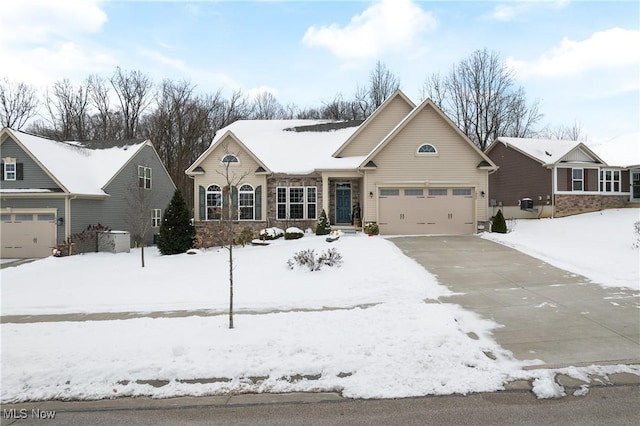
{"type": "Point", "coordinates": [293, 233]}
{"type": "Point", "coordinates": [371, 228]}
{"type": "Point", "coordinates": [271, 233]}
{"type": "Point", "coordinates": [323, 227]}
{"type": "Point", "coordinates": [307, 258]}
{"type": "Point", "coordinates": [636, 235]}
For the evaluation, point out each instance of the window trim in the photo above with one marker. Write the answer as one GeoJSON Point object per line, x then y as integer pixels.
{"type": "Point", "coordinates": [145, 181]}
{"type": "Point", "coordinates": [575, 180]}
{"type": "Point", "coordinates": [306, 203]}
{"type": "Point", "coordinates": [156, 219]}
{"type": "Point", "coordinates": [252, 206]}
{"type": "Point", "coordinates": [14, 171]}
{"type": "Point", "coordinates": [225, 156]}
{"type": "Point", "coordinates": [434, 152]}
{"type": "Point", "coordinates": [614, 179]}
{"type": "Point", "coordinates": [208, 192]}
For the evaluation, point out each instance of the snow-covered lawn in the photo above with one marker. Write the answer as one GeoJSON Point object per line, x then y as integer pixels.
{"type": "Point", "coordinates": [596, 245]}
{"type": "Point", "coordinates": [373, 328]}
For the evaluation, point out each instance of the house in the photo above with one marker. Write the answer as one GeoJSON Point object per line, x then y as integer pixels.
{"type": "Point", "coordinates": [621, 154]}
{"type": "Point", "coordinates": [554, 178]}
{"type": "Point", "coordinates": [407, 168]}
{"type": "Point", "coordinates": [50, 190]}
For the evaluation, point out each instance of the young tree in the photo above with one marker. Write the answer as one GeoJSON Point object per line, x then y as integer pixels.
{"type": "Point", "coordinates": [230, 214]}
{"type": "Point", "coordinates": [499, 224]}
{"type": "Point", "coordinates": [138, 215]}
{"type": "Point", "coordinates": [176, 230]}
{"type": "Point", "coordinates": [18, 102]}
{"type": "Point", "coordinates": [480, 96]}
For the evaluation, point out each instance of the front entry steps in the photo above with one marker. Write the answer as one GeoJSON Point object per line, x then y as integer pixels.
{"type": "Point", "coordinates": [346, 229]}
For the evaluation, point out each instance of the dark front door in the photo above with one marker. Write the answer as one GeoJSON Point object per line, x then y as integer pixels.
{"type": "Point", "coordinates": [343, 203]}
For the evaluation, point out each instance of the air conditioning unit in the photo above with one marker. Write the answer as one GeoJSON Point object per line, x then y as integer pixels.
{"type": "Point", "coordinates": [526, 204]}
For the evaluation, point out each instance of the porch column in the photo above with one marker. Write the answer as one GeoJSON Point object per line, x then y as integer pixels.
{"type": "Point", "coordinates": [325, 192]}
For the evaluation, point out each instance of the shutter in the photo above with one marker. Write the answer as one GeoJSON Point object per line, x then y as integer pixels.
{"type": "Point", "coordinates": [569, 179]}
{"type": "Point", "coordinates": [202, 199]}
{"type": "Point", "coordinates": [585, 179]}
{"type": "Point", "coordinates": [19, 171]}
{"type": "Point", "coordinates": [2, 172]}
{"type": "Point", "coordinates": [258, 202]}
{"type": "Point", "coordinates": [235, 214]}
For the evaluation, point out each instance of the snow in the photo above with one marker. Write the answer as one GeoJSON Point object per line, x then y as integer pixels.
{"type": "Point", "coordinates": [91, 169]}
{"type": "Point", "coordinates": [275, 146]}
{"type": "Point", "coordinates": [547, 151]}
{"type": "Point", "coordinates": [622, 151]}
{"type": "Point", "coordinates": [374, 328]}
{"type": "Point", "coordinates": [596, 245]}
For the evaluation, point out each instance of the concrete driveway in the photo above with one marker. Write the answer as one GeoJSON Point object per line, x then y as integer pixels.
{"type": "Point", "coordinates": [547, 313]}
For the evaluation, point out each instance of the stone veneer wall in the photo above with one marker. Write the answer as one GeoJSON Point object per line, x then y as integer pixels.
{"type": "Point", "coordinates": [213, 233]}
{"type": "Point", "coordinates": [567, 205]}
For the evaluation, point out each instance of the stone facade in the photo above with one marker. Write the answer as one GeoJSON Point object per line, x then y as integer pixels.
{"type": "Point", "coordinates": [213, 233]}
{"type": "Point", "coordinates": [566, 205]}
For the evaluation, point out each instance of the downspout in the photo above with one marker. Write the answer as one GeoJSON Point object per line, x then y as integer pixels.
{"type": "Point", "coordinates": [67, 215]}
{"type": "Point", "coordinates": [553, 191]}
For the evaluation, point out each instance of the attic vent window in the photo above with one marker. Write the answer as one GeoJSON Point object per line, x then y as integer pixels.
{"type": "Point", "coordinates": [427, 148]}
{"type": "Point", "coordinates": [230, 158]}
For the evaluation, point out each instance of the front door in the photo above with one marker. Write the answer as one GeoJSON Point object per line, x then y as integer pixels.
{"type": "Point", "coordinates": [343, 203]}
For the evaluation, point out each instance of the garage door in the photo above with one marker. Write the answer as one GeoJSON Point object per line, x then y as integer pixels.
{"type": "Point", "coordinates": [26, 235]}
{"type": "Point", "coordinates": [404, 211]}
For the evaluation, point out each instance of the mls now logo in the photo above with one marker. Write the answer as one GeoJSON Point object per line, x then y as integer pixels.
{"type": "Point", "coordinates": [23, 413]}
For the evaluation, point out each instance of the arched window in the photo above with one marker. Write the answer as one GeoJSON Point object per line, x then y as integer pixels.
{"type": "Point", "coordinates": [214, 202]}
{"type": "Point", "coordinates": [427, 148]}
{"type": "Point", "coordinates": [230, 158]}
{"type": "Point", "coordinates": [246, 202]}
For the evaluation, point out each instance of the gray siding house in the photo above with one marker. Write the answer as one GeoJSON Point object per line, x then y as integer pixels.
{"type": "Point", "coordinates": [50, 190]}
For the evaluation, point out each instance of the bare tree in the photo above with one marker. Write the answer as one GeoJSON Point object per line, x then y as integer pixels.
{"type": "Point", "coordinates": [569, 133]}
{"type": "Point", "coordinates": [230, 213]}
{"type": "Point", "coordinates": [267, 107]}
{"type": "Point", "coordinates": [68, 108]}
{"type": "Point", "coordinates": [133, 89]}
{"type": "Point", "coordinates": [107, 123]}
{"type": "Point", "coordinates": [138, 214]}
{"type": "Point", "coordinates": [382, 84]}
{"type": "Point", "coordinates": [18, 103]}
{"type": "Point", "coordinates": [480, 96]}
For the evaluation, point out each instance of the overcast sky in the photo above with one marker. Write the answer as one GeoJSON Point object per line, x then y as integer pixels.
{"type": "Point", "coordinates": [581, 59]}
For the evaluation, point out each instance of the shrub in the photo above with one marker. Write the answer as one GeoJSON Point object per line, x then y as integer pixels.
{"type": "Point", "coordinates": [245, 237]}
{"type": "Point", "coordinates": [371, 228]}
{"type": "Point", "coordinates": [293, 233]}
{"type": "Point", "coordinates": [177, 234]}
{"type": "Point", "coordinates": [307, 258]}
{"type": "Point", "coordinates": [271, 233]}
{"type": "Point", "coordinates": [499, 224]}
{"type": "Point", "coordinates": [636, 235]}
{"type": "Point", "coordinates": [323, 227]}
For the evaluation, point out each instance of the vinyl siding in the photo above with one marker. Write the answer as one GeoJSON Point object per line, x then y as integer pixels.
{"type": "Point", "coordinates": [34, 176]}
{"type": "Point", "coordinates": [113, 210]}
{"type": "Point", "coordinates": [454, 165]}
{"type": "Point", "coordinates": [518, 177]}
{"type": "Point", "coordinates": [213, 167]}
{"type": "Point", "coordinates": [375, 130]}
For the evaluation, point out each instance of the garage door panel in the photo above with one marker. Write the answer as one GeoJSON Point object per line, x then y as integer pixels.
{"type": "Point", "coordinates": [27, 235]}
{"type": "Point", "coordinates": [436, 211]}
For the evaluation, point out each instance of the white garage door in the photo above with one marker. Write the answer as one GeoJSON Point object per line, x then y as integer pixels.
{"type": "Point", "coordinates": [404, 211]}
{"type": "Point", "coordinates": [26, 235]}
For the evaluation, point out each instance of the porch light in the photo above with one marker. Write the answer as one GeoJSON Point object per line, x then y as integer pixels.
{"type": "Point", "coordinates": [370, 194]}
{"type": "Point", "coordinates": [60, 221]}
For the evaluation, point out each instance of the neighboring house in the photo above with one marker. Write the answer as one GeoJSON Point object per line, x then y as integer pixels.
{"type": "Point", "coordinates": [407, 168]}
{"type": "Point", "coordinates": [547, 178]}
{"type": "Point", "coordinates": [622, 155]}
{"type": "Point", "coordinates": [51, 190]}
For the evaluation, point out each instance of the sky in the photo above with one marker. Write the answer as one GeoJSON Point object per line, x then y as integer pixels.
{"type": "Point", "coordinates": [580, 59]}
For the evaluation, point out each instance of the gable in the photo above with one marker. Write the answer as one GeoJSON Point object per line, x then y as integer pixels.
{"type": "Point", "coordinates": [377, 126]}
{"type": "Point", "coordinates": [454, 155]}
{"type": "Point", "coordinates": [212, 164]}
{"type": "Point", "coordinates": [33, 175]}
{"type": "Point", "coordinates": [578, 155]}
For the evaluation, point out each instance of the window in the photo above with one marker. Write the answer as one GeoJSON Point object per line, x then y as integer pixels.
{"type": "Point", "coordinates": [385, 192]}
{"type": "Point", "coordinates": [417, 192]}
{"type": "Point", "coordinates": [10, 171]}
{"type": "Point", "coordinates": [577, 180]}
{"type": "Point", "coordinates": [296, 202]}
{"type": "Point", "coordinates": [214, 202]}
{"type": "Point", "coordinates": [156, 217]}
{"type": "Point", "coordinates": [46, 217]}
{"type": "Point", "coordinates": [427, 148]}
{"type": "Point", "coordinates": [144, 177]}
{"type": "Point", "coordinates": [609, 180]}
{"type": "Point", "coordinates": [462, 191]}
{"type": "Point", "coordinates": [246, 202]}
{"type": "Point", "coordinates": [433, 192]}
{"type": "Point", "coordinates": [229, 159]}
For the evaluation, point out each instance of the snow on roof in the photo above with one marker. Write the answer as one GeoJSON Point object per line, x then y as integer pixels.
{"type": "Point", "coordinates": [546, 151]}
{"type": "Point", "coordinates": [294, 146]}
{"type": "Point", "coordinates": [80, 170]}
{"type": "Point", "coordinates": [621, 151]}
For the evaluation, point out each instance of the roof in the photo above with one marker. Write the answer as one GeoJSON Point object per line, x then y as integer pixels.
{"type": "Point", "coordinates": [621, 151]}
{"type": "Point", "coordinates": [78, 169]}
{"type": "Point", "coordinates": [546, 151]}
{"type": "Point", "coordinates": [292, 146]}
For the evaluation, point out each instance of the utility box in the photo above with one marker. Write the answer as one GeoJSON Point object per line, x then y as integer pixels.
{"type": "Point", "coordinates": [526, 204]}
{"type": "Point", "coordinates": [114, 242]}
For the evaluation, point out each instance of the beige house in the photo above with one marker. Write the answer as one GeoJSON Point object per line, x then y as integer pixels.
{"type": "Point", "coordinates": [407, 168]}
